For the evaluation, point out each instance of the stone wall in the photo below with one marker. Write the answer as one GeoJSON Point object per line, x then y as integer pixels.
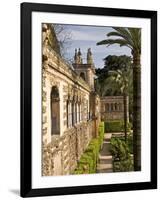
{"type": "Point", "coordinates": [61, 152]}
{"type": "Point", "coordinates": [61, 155]}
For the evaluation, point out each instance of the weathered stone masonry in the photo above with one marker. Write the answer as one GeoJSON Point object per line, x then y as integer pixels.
{"type": "Point", "coordinates": [70, 112]}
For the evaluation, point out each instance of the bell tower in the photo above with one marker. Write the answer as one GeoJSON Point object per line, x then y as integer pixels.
{"type": "Point", "coordinates": [85, 70]}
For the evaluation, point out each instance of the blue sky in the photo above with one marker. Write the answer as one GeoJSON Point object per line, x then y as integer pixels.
{"type": "Point", "coordinates": [85, 37]}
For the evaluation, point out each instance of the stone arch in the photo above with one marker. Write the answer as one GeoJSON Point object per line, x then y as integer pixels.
{"type": "Point", "coordinates": [116, 107]}
{"type": "Point", "coordinates": [73, 111]}
{"type": "Point", "coordinates": [82, 75]}
{"type": "Point", "coordinates": [67, 112]}
{"type": "Point", "coordinates": [55, 111]}
{"type": "Point", "coordinates": [107, 107]}
{"type": "Point", "coordinates": [120, 107]}
{"type": "Point", "coordinates": [87, 108]}
{"type": "Point", "coordinates": [112, 107]}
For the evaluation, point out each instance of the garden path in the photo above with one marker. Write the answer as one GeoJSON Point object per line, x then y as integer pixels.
{"type": "Point", "coordinates": [105, 158]}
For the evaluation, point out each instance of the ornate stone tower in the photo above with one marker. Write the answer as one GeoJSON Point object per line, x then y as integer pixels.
{"type": "Point", "coordinates": [85, 70]}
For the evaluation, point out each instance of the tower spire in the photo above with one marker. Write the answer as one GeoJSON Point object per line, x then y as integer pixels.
{"type": "Point", "coordinates": [76, 57]}
{"type": "Point", "coordinates": [89, 56]}
{"type": "Point", "coordinates": [80, 61]}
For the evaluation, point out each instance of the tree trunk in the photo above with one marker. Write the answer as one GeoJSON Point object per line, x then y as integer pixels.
{"type": "Point", "coordinates": [125, 116]}
{"type": "Point", "coordinates": [137, 112]}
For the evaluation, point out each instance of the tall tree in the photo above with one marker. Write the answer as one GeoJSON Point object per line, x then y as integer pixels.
{"type": "Point", "coordinates": [131, 38]}
{"type": "Point", "coordinates": [64, 36]}
{"type": "Point", "coordinates": [113, 62]}
{"type": "Point", "coordinates": [121, 80]}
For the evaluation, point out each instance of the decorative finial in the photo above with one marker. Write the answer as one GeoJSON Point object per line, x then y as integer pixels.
{"type": "Point", "coordinates": [89, 56]}
{"type": "Point", "coordinates": [79, 52]}
{"type": "Point", "coordinates": [76, 56]}
{"type": "Point", "coordinates": [80, 61]}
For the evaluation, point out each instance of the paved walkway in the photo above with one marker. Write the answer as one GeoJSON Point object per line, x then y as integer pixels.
{"type": "Point", "coordinates": [105, 158]}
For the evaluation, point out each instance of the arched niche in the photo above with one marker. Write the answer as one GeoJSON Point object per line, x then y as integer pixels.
{"type": "Point", "coordinates": [116, 107]}
{"type": "Point", "coordinates": [120, 107]}
{"type": "Point", "coordinates": [112, 107]}
{"type": "Point", "coordinates": [55, 111]}
{"type": "Point", "coordinates": [82, 75]}
{"type": "Point", "coordinates": [107, 107]}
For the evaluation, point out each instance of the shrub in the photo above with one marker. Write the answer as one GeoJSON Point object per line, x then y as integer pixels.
{"type": "Point", "coordinates": [122, 160]}
{"type": "Point", "coordinates": [129, 141]}
{"type": "Point", "coordinates": [116, 126]}
{"type": "Point", "coordinates": [88, 161]}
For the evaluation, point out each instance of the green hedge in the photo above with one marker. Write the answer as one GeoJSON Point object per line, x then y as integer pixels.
{"type": "Point", "coordinates": [129, 141]}
{"type": "Point", "coordinates": [101, 132]}
{"type": "Point", "coordinates": [116, 126]}
{"type": "Point", "coordinates": [88, 161]}
{"type": "Point", "coordinates": [122, 160]}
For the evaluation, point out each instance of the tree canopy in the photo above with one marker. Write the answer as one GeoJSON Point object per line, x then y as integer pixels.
{"type": "Point", "coordinates": [112, 63]}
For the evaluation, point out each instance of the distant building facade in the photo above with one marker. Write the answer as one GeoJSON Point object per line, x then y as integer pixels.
{"type": "Point", "coordinates": [112, 108]}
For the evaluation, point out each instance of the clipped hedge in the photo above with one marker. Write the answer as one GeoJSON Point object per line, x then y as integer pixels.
{"type": "Point", "coordinates": [122, 159]}
{"type": "Point", "coordinates": [129, 141]}
{"type": "Point", "coordinates": [101, 131]}
{"type": "Point", "coordinates": [88, 161]}
{"type": "Point", "coordinates": [116, 126]}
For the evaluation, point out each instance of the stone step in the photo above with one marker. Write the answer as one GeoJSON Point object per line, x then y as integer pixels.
{"type": "Point", "coordinates": [104, 166]}
{"type": "Point", "coordinates": [105, 161]}
{"type": "Point", "coordinates": [106, 142]}
{"type": "Point", "coordinates": [104, 171]}
{"type": "Point", "coordinates": [118, 134]}
{"type": "Point", "coordinates": [105, 157]}
{"type": "Point", "coordinates": [105, 151]}
{"type": "Point", "coordinates": [107, 136]}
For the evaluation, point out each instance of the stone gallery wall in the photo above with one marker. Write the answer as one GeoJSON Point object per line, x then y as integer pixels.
{"type": "Point", "coordinates": [70, 114]}
{"type": "Point", "coordinates": [61, 155]}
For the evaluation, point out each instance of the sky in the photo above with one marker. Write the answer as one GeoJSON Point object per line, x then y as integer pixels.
{"type": "Point", "coordinates": [85, 37]}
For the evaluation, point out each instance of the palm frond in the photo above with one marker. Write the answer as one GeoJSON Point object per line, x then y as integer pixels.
{"type": "Point", "coordinates": [102, 42]}
{"type": "Point", "coordinates": [124, 34]}
{"type": "Point", "coordinates": [109, 42]}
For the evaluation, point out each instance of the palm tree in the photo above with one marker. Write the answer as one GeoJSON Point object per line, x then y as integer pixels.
{"type": "Point", "coordinates": [131, 38]}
